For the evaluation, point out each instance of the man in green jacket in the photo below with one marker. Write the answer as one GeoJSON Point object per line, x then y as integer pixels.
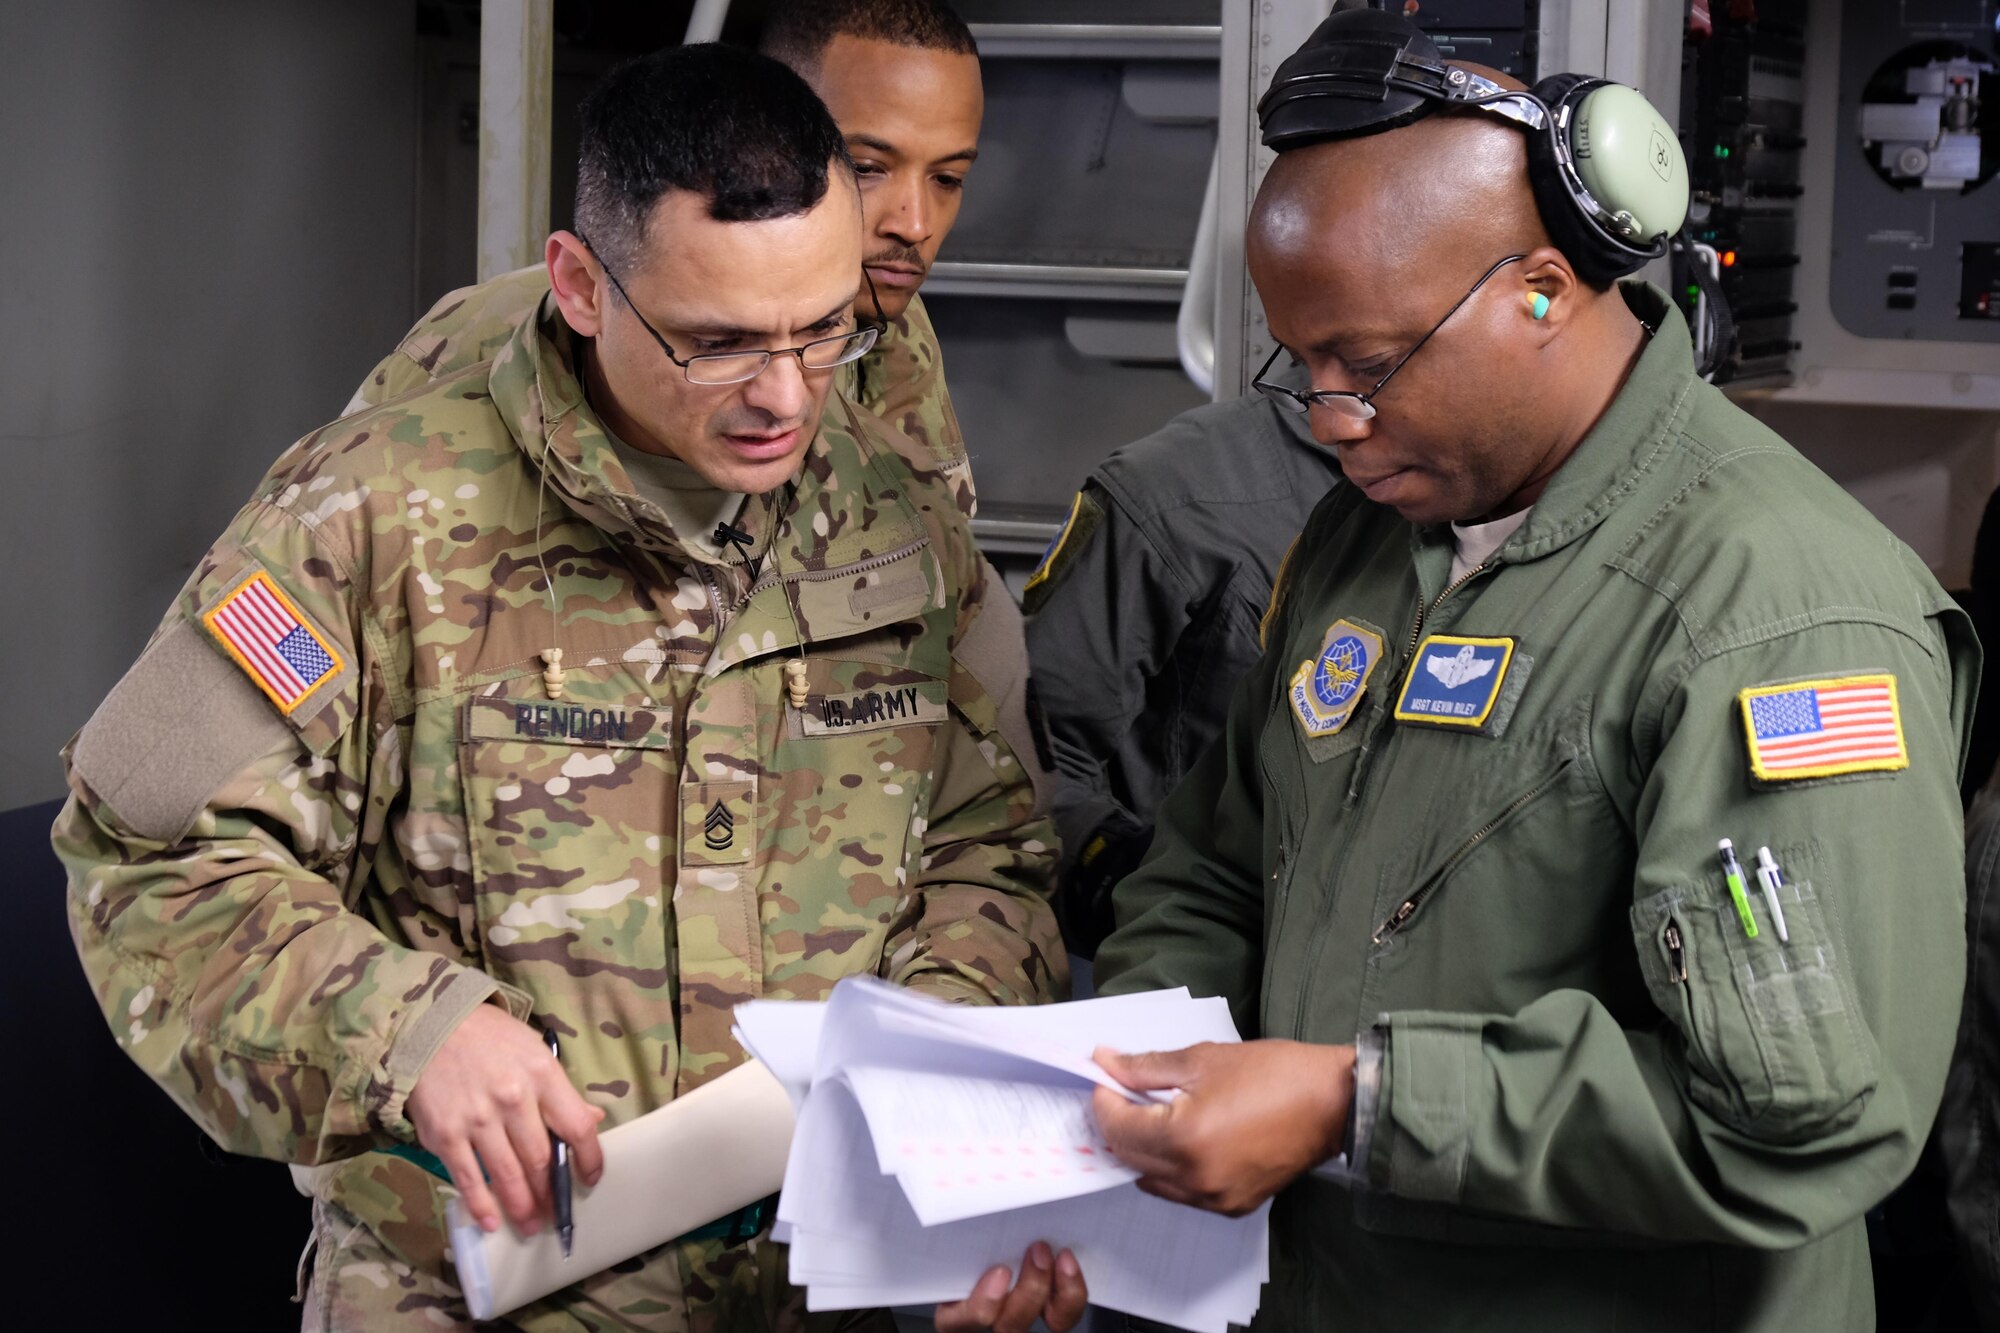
{"type": "Point", "coordinates": [1454, 862]}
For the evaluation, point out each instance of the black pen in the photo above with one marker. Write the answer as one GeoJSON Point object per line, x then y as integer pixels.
{"type": "Point", "coordinates": [559, 1167]}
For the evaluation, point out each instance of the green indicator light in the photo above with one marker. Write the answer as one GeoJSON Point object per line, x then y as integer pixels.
{"type": "Point", "coordinates": [1694, 292]}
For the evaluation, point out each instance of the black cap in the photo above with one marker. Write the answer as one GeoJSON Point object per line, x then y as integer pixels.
{"type": "Point", "coordinates": [1361, 72]}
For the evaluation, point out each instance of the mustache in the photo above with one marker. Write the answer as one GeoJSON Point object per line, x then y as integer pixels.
{"type": "Point", "coordinates": [745, 419]}
{"type": "Point", "coordinates": [902, 256]}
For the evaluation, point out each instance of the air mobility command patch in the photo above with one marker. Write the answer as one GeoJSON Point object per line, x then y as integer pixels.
{"type": "Point", "coordinates": [1455, 682]}
{"type": "Point", "coordinates": [1326, 690]}
{"type": "Point", "coordinates": [1823, 728]}
{"type": "Point", "coordinates": [269, 637]}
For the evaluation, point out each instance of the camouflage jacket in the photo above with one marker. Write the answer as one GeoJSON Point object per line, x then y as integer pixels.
{"type": "Point", "coordinates": [901, 380]}
{"type": "Point", "coordinates": [285, 904]}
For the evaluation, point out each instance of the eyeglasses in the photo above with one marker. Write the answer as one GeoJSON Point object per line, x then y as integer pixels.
{"type": "Point", "coordinates": [1359, 406]}
{"type": "Point", "coordinates": [735, 367]}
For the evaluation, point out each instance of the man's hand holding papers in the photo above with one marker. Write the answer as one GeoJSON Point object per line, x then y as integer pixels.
{"type": "Point", "coordinates": [932, 1140]}
{"type": "Point", "coordinates": [1252, 1117]}
{"type": "Point", "coordinates": [1051, 1289]}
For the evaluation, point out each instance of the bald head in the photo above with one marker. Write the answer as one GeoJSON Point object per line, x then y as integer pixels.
{"type": "Point", "coordinates": [1368, 254]}
{"type": "Point", "coordinates": [1405, 203]}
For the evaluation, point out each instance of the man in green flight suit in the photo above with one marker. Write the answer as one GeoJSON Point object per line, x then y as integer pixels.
{"type": "Point", "coordinates": [462, 724]}
{"type": "Point", "coordinates": [901, 78]}
{"type": "Point", "coordinates": [1454, 863]}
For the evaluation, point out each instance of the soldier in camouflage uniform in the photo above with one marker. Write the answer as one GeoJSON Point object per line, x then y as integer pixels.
{"type": "Point", "coordinates": [349, 796]}
{"type": "Point", "coordinates": [902, 80]}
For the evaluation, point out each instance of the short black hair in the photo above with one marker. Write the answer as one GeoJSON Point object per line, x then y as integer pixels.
{"type": "Point", "coordinates": [798, 31]}
{"type": "Point", "coordinates": [738, 128]}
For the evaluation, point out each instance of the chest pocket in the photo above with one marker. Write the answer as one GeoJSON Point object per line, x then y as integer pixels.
{"type": "Point", "coordinates": [570, 809]}
{"type": "Point", "coordinates": [852, 797]}
{"type": "Point", "coordinates": [1525, 854]}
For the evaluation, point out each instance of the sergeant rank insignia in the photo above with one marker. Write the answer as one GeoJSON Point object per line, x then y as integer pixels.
{"type": "Point", "coordinates": [1455, 682]}
{"type": "Point", "coordinates": [267, 634]}
{"type": "Point", "coordinates": [1327, 689]}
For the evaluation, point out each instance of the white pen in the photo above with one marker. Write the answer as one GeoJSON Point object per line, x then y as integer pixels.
{"type": "Point", "coordinates": [1769, 876]}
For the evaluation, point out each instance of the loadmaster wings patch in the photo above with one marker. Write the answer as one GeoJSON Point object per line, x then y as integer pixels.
{"type": "Point", "coordinates": [267, 634]}
{"type": "Point", "coordinates": [1326, 690]}
{"type": "Point", "coordinates": [1824, 728]}
{"type": "Point", "coordinates": [1455, 682]}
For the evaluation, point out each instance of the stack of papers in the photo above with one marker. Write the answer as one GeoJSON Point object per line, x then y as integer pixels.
{"type": "Point", "coordinates": [934, 1141]}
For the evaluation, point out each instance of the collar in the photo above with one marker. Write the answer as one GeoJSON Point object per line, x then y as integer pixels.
{"type": "Point", "coordinates": [536, 387]}
{"type": "Point", "coordinates": [848, 511]}
{"type": "Point", "coordinates": [1631, 437]}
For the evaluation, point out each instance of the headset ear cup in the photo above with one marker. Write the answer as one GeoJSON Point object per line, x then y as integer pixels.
{"type": "Point", "coordinates": [1596, 257]}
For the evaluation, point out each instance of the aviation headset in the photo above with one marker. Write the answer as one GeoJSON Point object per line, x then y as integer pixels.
{"type": "Point", "coordinates": [1606, 168]}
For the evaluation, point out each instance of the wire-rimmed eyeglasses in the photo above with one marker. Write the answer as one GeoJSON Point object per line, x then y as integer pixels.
{"type": "Point", "coordinates": [1359, 406]}
{"type": "Point", "coordinates": [712, 368]}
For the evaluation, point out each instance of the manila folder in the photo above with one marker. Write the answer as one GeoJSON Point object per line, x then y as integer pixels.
{"type": "Point", "coordinates": [702, 1156]}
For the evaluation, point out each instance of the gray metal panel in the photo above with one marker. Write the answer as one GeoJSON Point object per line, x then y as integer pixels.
{"type": "Point", "coordinates": [1080, 282]}
{"type": "Point", "coordinates": [1098, 41]}
{"type": "Point", "coordinates": [1836, 365]}
{"type": "Point", "coordinates": [1879, 228]}
{"type": "Point", "coordinates": [1037, 413]}
{"type": "Point", "coordinates": [1255, 38]}
{"type": "Point", "coordinates": [1069, 174]}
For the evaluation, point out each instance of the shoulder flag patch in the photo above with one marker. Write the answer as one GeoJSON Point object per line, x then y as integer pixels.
{"type": "Point", "coordinates": [1824, 728]}
{"type": "Point", "coordinates": [267, 634]}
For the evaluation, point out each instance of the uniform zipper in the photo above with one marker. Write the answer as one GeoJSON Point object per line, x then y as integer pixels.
{"type": "Point", "coordinates": [1408, 908]}
{"type": "Point", "coordinates": [1356, 796]}
{"type": "Point", "coordinates": [1423, 612]}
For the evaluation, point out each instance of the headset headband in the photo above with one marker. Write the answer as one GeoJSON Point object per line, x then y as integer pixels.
{"type": "Point", "coordinates": [1363, 72]}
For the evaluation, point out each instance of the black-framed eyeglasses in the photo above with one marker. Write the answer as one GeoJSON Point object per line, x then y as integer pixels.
{"type": "Point", "coordinates": [712, 368]}
{"type": "Point", "coordinates": [1359, 406]}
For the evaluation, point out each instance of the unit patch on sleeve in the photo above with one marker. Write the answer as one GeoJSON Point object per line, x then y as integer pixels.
{"type": "Point", "coordinates": [1824, 728]}
{"type": "Point", "coordinates": [268, 635]}
{"type": "Point", "coordinates": [1084, 517]}
{"type": "Point", "coordinates": [1455, 682]}
{"type": "Point", "coordinates": [1326, 690]}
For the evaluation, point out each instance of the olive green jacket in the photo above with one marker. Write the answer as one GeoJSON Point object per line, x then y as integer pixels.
{"type": "Point", "coordinates": [1586, 1098]}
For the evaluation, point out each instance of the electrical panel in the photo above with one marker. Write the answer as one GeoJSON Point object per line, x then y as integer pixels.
{"type": "Point", "coordinates": [1916, 213]}
{"type": "Point", "coordinates": [1498, 33]}
{"type": "Point", "coordinates": [1742, 123]}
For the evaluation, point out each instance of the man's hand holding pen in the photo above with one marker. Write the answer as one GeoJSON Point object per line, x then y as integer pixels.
{"type": "Point", "coordinates": [491, 1097]}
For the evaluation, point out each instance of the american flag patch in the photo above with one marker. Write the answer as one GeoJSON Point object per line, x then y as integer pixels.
{"type": "Point", "coordinates": [269, 638]}
{"type": "Point", "coordinates": [1824, 728]}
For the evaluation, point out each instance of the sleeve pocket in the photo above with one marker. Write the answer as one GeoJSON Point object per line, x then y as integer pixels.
{"type": "Point", "coordinates": [1775, 1047]}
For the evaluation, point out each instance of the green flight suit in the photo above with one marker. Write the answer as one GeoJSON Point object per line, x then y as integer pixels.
{"type": "Point", "coordinates": [1585, 1097]}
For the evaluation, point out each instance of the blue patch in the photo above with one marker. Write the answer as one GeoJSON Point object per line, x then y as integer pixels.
{"type": "Point", "coordinates": [1326, 690]}
{"type": "Point", "coordinates": [1455, 682]}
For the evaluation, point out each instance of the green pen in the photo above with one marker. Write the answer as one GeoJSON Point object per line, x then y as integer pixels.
{"type": "Point", "coordinates": [1734, 874]}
